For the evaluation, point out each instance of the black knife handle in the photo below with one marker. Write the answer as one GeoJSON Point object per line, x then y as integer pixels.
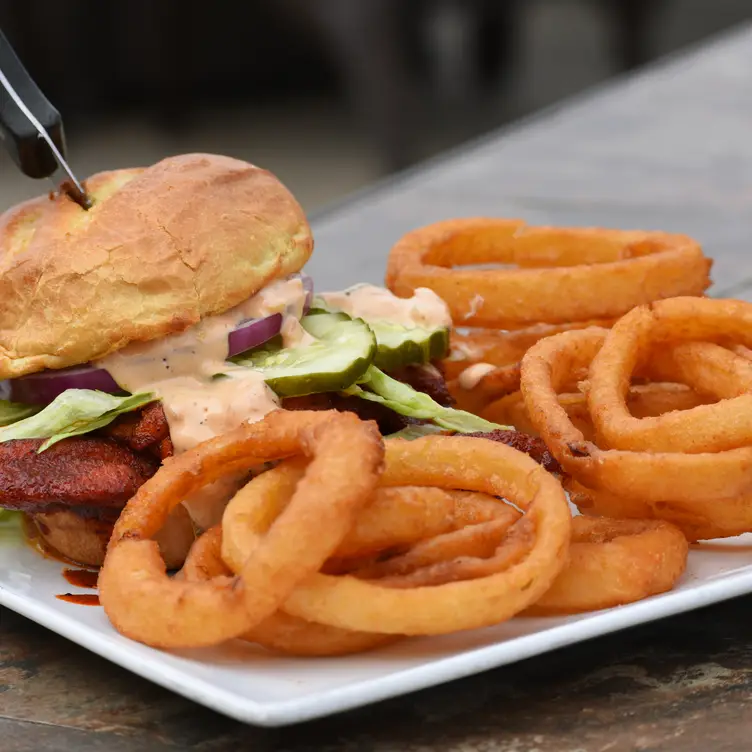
{"type": "Point", "coordinates": [27, 148]}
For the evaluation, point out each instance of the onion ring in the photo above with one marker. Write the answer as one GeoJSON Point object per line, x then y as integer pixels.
{"type": "Point", "coordinates": [394, 518]}
{"type": "Point", "coordinates": [698, 520]}
{"type": "Point", "coordinates": [643, 400]}
{"type": "Point", "coordinates": [706, 428]}
{"type": "Point", "coordinates": [745, 352]}
{"type": "Point", "coordinates": [645, 476]}
{"type": "Point", "coordinates": [564, 275]}
{"type": "Point", "coordinates": [444, 461]}
{"type": "Point", "coordinates": [500, 348]}
{"type": "Point", "coordinates": [710, 369]}
{"type": "Point", "coordinates": [612, 562]}
{"type": "Point", "coordinates": [468, 553]}
{"type": "Point", "coordinates": [615, 562]}
{"type": "Point", "coordinates": [505, 380]}
{"type": "Point", "coordinates": [404, 515]}
{"type": "Point", "coordinates": [500, 381]}
{"type": "Point", "coordinates": [279, 632]}
{"type": "Point", "coordinates": [144, 604]}
{"type": "Point", "coordinates": [204, 560]}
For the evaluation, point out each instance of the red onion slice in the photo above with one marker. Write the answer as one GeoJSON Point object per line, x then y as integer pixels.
{"type": "Point", "coordinates": [256, 332]}
{"type": "Point", "coordinates": [42, 388]}
{"type": "Point", "coordinates": [253, 333]}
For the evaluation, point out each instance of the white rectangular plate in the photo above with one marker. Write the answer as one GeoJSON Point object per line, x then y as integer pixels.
{"type": "Point", "coordinates": [252, 686]}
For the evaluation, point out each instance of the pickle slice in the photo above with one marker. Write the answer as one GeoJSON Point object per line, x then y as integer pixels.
{"type": "Point", "coordinates": [398, 346]}
{"type": "Point", "coordinates": [336, 359]}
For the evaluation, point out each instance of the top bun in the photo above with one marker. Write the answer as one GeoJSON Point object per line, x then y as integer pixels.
{"type": "Point", "coordinates": [161, 248]}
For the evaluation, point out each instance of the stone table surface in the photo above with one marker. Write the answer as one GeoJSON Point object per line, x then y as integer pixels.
{"type": "Point", "coordinates": [670, 149]}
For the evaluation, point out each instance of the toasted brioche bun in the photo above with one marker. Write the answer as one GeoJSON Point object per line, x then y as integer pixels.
{"type": "Point", "coordinates": [83, 539]}
{"type": "Point", "coordinates": [161, 248]}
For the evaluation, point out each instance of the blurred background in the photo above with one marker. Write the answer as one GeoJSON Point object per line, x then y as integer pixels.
{"type": "Point", "coordinates": [328, 94]}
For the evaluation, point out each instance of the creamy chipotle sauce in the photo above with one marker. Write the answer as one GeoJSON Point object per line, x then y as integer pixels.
{"type": "Point", "coordinates": [464, 350]}
{"type": "Point", "coordinates": [293, 334]}
{"type": "Point", "coordinates": [475, 303]}
{"type": "Point", "coordinates": [202, 394]}
{"type": "Point", "coordinates": [472, 376]}
{"type": "Point", "coordinates": [424, 309]}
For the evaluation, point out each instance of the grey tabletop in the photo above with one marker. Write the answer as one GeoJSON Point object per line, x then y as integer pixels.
{"type": "Point", "coordinates": [669, 149]}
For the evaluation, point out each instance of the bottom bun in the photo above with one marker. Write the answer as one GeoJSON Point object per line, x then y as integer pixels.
{"type": "Point", "coordinates": [83, 539]}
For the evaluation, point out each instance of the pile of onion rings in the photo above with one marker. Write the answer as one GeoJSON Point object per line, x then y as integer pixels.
{"type": "Point", "coordinates": [660, 427]}
{"type": "Point", "coordinates": [534, 282]}
{"type": "Point", "coordinates": [348, 542]}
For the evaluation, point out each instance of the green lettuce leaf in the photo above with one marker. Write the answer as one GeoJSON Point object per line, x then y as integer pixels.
{"type": "Point", "coordinates": [403, 399]}
{"type": "Point", "coordinates": [418, 431]}
{"type": "Point", "coordinates": [12, 412]}
{"type": "Point", "coordinates": [11, 525]}
{"type": "Point", "coordinates": [9, 517]}
{"type": "Point", "coordinates": [74, 412]}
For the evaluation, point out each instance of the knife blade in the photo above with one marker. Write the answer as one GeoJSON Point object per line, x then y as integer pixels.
{"type": "Point", "coordinates": [32, 129]}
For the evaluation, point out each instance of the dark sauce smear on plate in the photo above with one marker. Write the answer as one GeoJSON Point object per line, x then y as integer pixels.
{"type": "Point", "coordinates": [81, 599]}
{"type": "Point", "coordinates": [83, 578]}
